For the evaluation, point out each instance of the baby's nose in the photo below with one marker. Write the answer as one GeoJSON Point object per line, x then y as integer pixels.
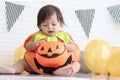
{"type": "Point", "coordinates": [50, 26]}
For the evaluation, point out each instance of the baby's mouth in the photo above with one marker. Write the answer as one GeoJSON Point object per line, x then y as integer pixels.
{"type": "Point", "coordinates": [50, 32]}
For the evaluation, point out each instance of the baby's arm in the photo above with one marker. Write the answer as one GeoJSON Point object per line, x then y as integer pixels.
{"type": "Point", "coordinates": [70, 46]}
{"type": "Point", "coordinates": [31, 45]}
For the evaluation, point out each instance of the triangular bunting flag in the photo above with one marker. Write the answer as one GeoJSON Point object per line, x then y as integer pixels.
{"type": "Point", "coordinates": [115, 12]}
{"type": "Point", "coordinates": [86, 18]}
{"type": "Point", "coordinates": [12, 13]}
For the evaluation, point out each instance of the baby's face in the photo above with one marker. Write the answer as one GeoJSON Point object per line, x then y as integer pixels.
{"type": "Point", "coordinates": [51, 26]}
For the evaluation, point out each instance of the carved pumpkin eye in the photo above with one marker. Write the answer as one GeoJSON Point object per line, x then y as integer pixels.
{"type": "Point", "coordinates": [49, 50]}
{"type": "Point", "coordinates": [42, 48]}
{"type": "Point", "coordinates": [57, 47]}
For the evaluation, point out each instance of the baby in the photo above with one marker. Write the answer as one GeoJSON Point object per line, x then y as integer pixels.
{"type": "Point", "coordinates": [49, 22]}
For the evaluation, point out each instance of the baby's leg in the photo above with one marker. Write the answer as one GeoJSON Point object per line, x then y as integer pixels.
{"type": "Point", "coordinates": [68, 70]}
{"type": "Point", "coordinates": [18, 67]}
{"type": "Point", "coordinates": [6, 69]}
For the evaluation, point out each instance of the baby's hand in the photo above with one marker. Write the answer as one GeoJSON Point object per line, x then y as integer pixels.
{"type": "Point", "coordinates": [40, 42]}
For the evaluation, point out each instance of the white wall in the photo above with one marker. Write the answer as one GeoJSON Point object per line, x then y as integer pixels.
{"type": "Point", "coordinates": [104, 26]}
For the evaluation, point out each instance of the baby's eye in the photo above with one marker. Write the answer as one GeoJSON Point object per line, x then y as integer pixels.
{"type": "Point", "coordinates": [45, 25]}
{"type": "Point", "coordinates": [54, 24]}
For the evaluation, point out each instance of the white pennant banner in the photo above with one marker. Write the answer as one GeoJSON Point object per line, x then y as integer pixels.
{"type": "Point", "coordinates": [13, 11]}
{"type": "Point", "coordinates": [85, 18]}
{"type": "Point", "coordinates": [115, 12]}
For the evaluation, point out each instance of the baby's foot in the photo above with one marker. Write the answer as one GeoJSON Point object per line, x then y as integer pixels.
{"type": "Point", "coordinates": [6, 70]}
{"type": "Point", "coordinates": [65, 71]}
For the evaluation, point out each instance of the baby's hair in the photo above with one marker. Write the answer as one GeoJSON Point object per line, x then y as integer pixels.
{"type": "Point", "coordinates": [46, 12]}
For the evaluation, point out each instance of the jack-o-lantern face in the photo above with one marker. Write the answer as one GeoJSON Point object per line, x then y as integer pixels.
{"type": "Point", "coordinates": [51, 49]}
{"type": "Point", "coordinates": [52, 54]}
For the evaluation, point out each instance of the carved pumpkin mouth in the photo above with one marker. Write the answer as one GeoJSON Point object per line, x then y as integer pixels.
{"type": "Point", "coordinates": [54, 55]}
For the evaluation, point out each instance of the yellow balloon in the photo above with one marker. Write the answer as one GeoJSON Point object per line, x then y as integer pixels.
{"type": "Point", "coordinates": [96, 56]}
{"type": "Point", "coordinates": [19, 53]}
{"type": "Point", "coordinates": [115, 50]}
{"type": "Point", "coordinates": [114, 62]}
